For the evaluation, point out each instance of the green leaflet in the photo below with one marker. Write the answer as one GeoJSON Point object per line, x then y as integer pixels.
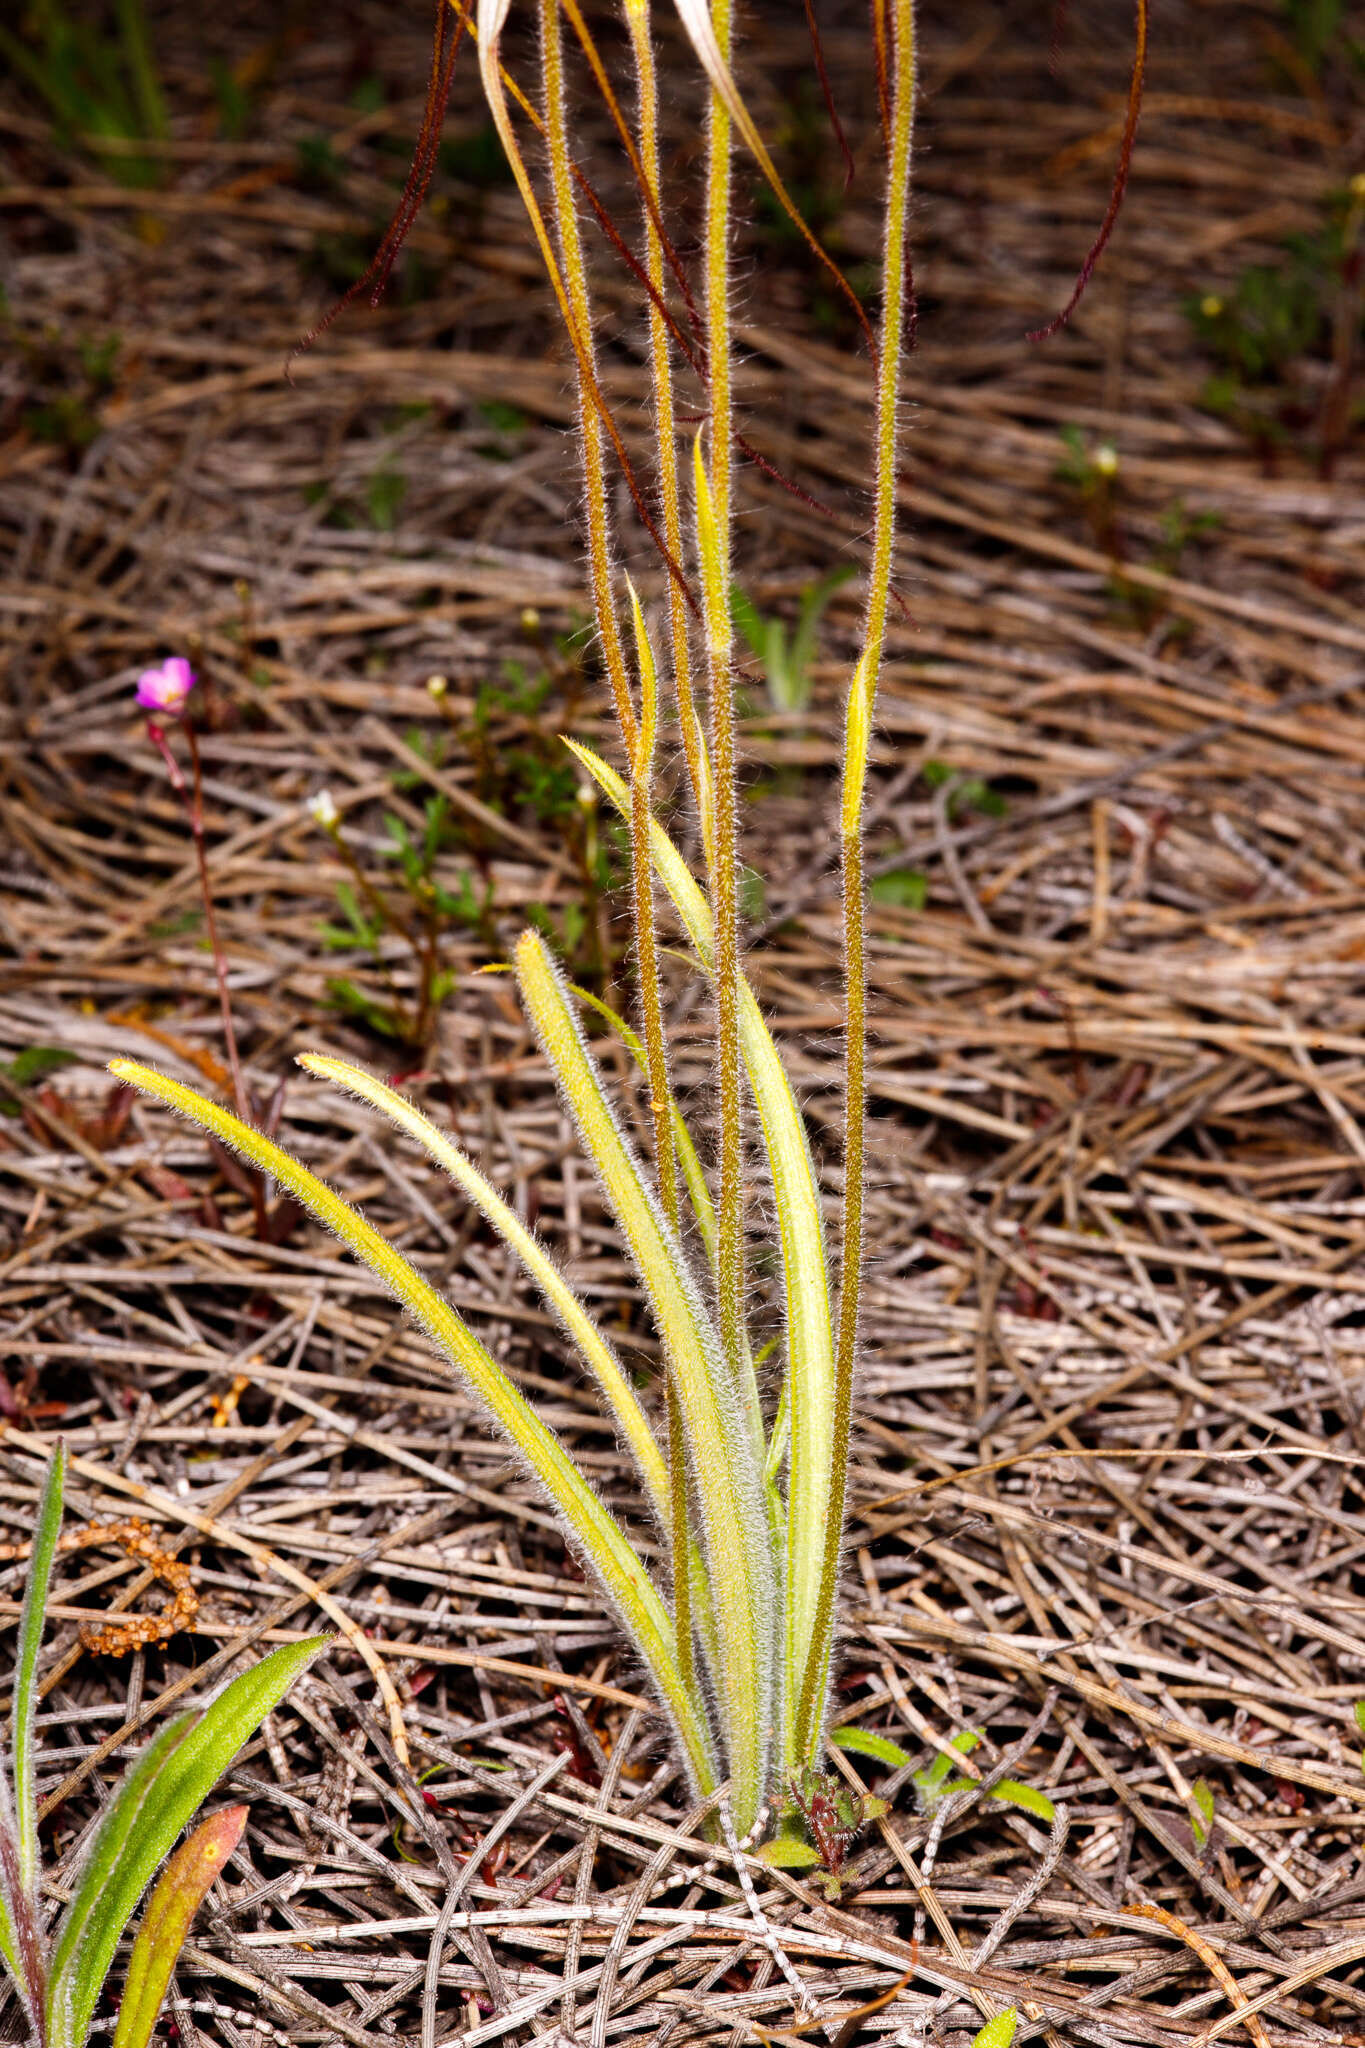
{"type": "Point", "coordinates": [810, 1337]}
{"type": "Point", "coordinates": [788, 1852]}
{"type": "Point", "coordinates": [184, 1774]}
{"type": "Point", "coordinates": [102, 1857]}
{"type": "Point", "coordinates": [864, 1742]}
{"type": "Point", "coordinates": [724, 1470]}
{"type": "Point", "coordinates": [590, 1526]}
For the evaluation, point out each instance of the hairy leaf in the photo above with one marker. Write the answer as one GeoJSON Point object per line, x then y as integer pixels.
{"type": "Point", "coordinates": [597, 1353]}
{"type": "Point", "coordinates": [810, 1336]}
{"type": "Point", "coordinates": [725, 1466]}
{"type": "Point", "coordinates": [788, 1852]}
{"type": "Point", "coordinates": [590, 1526]}
{"type": "Point", "coordinates": [999, 2032]}
{"type": "Point", "coordinates": [864, 1742]}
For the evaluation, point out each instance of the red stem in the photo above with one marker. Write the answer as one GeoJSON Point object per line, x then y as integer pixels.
{"type": "Point", "coordinates": [194, 810]}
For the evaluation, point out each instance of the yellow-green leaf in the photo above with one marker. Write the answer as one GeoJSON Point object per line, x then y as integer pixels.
{"type": "Point", "coordinates": [166, 1923]}
{"type": "Point", "coordinates": [589, 1524]}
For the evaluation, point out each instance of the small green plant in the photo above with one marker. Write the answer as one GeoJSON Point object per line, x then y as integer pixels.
{"type": "Point", "coordinates": [65, 379]}
{"type": "Point", "coordinates": [1202, 1811]}
{"type": "Point", "coordinates": [967, 793]}
{"type": "Point", "coordinates": [59, 1972]}
{"type": "Point", "coordinates": [1316, 31]}
{"type": "Point", "coordinates": [1092, 473]}
{"type": "Point", "coordinates": [33, 1064]}
{"type": "Point", "coordinates": [786, 657]}
{"type": "Point", "coordinates": [1281, 323]}
{"type": "Point", "coordinates": [102, 88]}
{"type": "Point", "coordinates": [420, 909]}
{"type": "Point", "coordinates": [832, 1815]}
{"type": "Point", "coordinates": [902, 888]}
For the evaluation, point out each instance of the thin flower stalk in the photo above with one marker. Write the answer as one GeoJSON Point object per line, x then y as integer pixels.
{"type": "Point", "coordinates": [591, 434]}
{"type": "Point", "coordinates": [660, 1095]}
{"type": "Point", "coordinates": [661, 368]}
{"type": "Point", "coordinates": [714, 512]}
{"type": "Point", "coordinates": [638, 742]}
{"type": "Point", "coordinates": [861, 709]}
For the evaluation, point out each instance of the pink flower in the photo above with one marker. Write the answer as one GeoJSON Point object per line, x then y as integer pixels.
{"type": "Point", "coordinates": [166, 689]}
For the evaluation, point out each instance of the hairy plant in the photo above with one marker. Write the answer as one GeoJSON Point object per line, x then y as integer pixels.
{"type": "Point", "coordinates": [59, 1971]}
{"type": "Point", "coordinates": [747, 1490]}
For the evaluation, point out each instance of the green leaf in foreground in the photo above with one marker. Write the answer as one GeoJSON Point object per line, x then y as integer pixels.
{"type": "Point", "coordinates": [788, 1852]}
{"type": "Point", "coordinates": [166, 1922]}
{"type": "Point", "coordinates": [182, 1775]}
{"type": "Point", "coordinates": [999, 2032]}
{"type": "Point", "coordinates": [865, 1742]}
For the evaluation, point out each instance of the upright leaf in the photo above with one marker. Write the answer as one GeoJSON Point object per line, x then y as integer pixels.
{"type": "Point", "coordinates": [589, 1524]}
{"type": "Point", "coordinates": [810, 1334]}
{"type": "Point", "coordinates": [110, 1839]}
{"type": "Point", "coordinates": [166, 1922]}
{"type": "Point", "coordinates": [725, 1463]}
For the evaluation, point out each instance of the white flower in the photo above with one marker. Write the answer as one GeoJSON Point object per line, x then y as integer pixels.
{"type": "Point", "coordinates": [324, 810]}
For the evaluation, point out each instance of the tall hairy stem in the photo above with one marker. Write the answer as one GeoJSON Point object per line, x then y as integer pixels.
{"type": "Point", "coordinates": [639, 749]}
{"type": "Point", "coordinates": [592, 437]}
{"type": "Point", "coordinates": [715, 552]}
{"type": "Point", "coordinates": [660, 1100]}
{"type": "Point", "coordinates": [861, 709]}
{"type": "Point", "coordinates": [661, 363]}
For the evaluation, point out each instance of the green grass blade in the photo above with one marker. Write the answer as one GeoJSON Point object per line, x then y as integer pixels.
{"type": "Point", "coordinates": [165, 1925]}
{"type": "Point", "coordinates": [725, 1471]}
{"type": "Point", "coordinates": [141, 64]}
{"type": "Point", "coordinates": [31, 1624]}
{"type": "Point", "coordinates": [810, 1335]}
{"type": "Point", "coordinates": [597, 1353]}
{"type": "Point", "coordinates": [590, 1526]}
{"type": "Point", "coordinates": [174, 1792]}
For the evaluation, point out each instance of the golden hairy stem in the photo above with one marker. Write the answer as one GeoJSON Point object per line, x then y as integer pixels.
{"type": "Point", "coordinates": [861, 707]}
{"type": "Point", "coordinates": [592, 438]}
{"type": "Point", "coordinates": [661, 361]}
{"type": "Point", "coordinates": [660, 1101]}
{"type": "Point", "coordinates": [719, 640]}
